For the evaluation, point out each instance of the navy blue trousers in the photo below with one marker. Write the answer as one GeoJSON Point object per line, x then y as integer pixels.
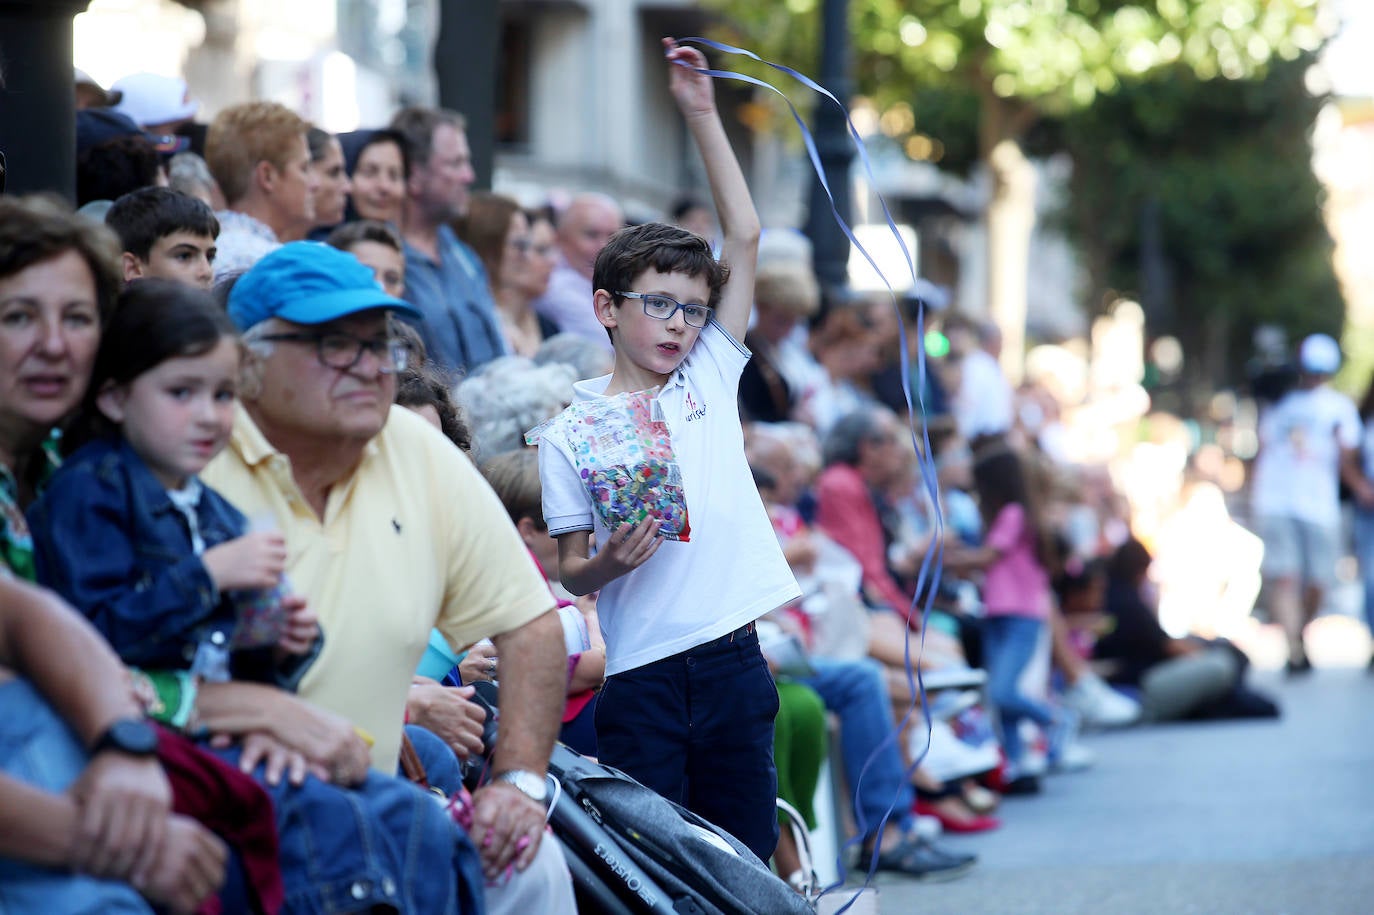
{"type": "Point", "coordinates": [697, 728]}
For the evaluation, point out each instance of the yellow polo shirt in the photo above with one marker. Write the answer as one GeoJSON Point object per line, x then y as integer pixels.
{"type": "Point", "coordinates": [413, 539]}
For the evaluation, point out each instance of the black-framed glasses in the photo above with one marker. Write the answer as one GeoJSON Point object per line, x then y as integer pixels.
{"type": "Point", "coordinates": [338, 350]}
{"type": "Point", "coordinates": [664, 307]}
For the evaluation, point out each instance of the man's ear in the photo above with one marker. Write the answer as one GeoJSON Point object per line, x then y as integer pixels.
{"type": "Point", "coordinates": [265, 176]}
{"type": "Point", "coordinates": [251, 368]}
{"type": "Point", "coordinates": [133, 267]}
{"type": "Point", "coordinates": [607, 312]}
{"type": "Point", "coordinates": [527, 528]}
{"type": "Point", "coordinates": [110, 402]}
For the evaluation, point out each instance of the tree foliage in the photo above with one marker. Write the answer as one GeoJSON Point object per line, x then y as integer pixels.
{"type": "Point", "coordinates": [1050, 55]}
{"type": "Point", "coordinates": [1223, 170]}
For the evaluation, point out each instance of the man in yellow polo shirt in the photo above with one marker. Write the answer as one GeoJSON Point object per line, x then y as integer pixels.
{"type": "Point", "coordinates": [390, 530]}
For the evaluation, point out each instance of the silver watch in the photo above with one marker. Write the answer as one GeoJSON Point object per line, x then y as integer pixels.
{"type": "Point", "coordinates": [527, 783]}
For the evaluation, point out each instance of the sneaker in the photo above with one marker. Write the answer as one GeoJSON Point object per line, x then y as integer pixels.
{"type": "Point", "coordinates": [1100, 705]}
{"type": "Point", "coordinates": [1074, 758]}
{"type": "Point", "coordinates": [1300, 666]}
{"type": "Point", "coordinates": [927, 828]}
{"type": "Point", "coordinates": [1021, 786]}
{"type": "Point", "coordinates": [949, 758]}
{"type": "Point", "coordinates": [918, 858]}
{"type": "Point", "coordinates": [1062, 734]}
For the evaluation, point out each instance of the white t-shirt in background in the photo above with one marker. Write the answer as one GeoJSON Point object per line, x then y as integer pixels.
{"type": "Point", "coordinates": [1297, 472]}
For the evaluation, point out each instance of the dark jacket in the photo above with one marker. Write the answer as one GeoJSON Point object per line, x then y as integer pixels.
{"type": "Point", "coordinates": [109, 540]}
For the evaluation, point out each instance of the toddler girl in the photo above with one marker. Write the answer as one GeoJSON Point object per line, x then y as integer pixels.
{"type": "Point", "coordinates": [160, 563]}
{"type": "Point", "coordinates": [1017, 558]}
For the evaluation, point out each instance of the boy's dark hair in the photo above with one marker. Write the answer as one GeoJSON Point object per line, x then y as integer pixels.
{"type": "Point", "coordinates": [154, 320]}
{"type": "Point", "coordinates": [109, 170]}
{"type": "Point", "coordinates": [655, 246]}
{"type": "Point", "coordinates": [318, 142]}
{"type": "Point", "coordinates": [423, 386]}
{"type": "Point", "coordinates": [143, 216]}
{"type": "Point", "coordinates": [514, 477]}
{"type": "Point", "coordinates": [350, 233]}
{"type": "Point", "coordinates": [37, 228]}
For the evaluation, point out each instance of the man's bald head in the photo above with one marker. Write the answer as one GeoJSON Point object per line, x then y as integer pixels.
{"type": "Point", "coordinates": [584, 228]}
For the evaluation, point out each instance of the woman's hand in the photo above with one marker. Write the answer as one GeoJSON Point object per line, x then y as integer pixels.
{"type": "Point", "coordinates": [276, 757]}
{"type": "Point", "coordinates": [328, 742]}
{"type": "Point", "coordinates": [253, 561]}
{"type": "Point", "coordinates": [479, 663]}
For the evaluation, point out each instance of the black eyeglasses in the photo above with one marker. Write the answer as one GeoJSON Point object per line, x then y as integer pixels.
{"type": "Point", "coordinates": [338, 350]}
{"type": "Point", "coordinates": [664, 307]}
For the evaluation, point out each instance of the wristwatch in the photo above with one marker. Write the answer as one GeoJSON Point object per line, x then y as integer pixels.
{"type": "Point", "coordinates": [527, 783]}
{"type": "Point", "coordinates": [131, 736]}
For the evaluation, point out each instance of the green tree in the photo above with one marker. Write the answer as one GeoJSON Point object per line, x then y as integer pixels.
{"type": "Point", "coordinates": [1020, 60]}
{"type": "Point", "coordinates": [1199, 199]}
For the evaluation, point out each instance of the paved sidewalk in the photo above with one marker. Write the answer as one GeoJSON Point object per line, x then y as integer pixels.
{"type": "Point", "coordinates": [1230, 817]}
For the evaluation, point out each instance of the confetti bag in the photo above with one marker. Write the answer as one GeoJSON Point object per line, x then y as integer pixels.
{"type": "Point", "coordinates": [621, 448]}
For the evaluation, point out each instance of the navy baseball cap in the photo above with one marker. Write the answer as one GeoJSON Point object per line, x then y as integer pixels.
{"type": "Point", "coordinates": [308, 282]}
{"type": "Point", "coordinates": [96, 125]}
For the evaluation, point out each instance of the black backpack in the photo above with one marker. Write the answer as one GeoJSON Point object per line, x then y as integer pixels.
{"type": "Point", "coordinates": [632, 851]}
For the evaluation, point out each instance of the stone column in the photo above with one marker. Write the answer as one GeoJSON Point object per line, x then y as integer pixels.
{"type": "Point", "coordinates": [37, 103]}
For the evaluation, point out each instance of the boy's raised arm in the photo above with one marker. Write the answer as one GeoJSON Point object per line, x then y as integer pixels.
{"type": "Point", "coordinates": [739, 223]}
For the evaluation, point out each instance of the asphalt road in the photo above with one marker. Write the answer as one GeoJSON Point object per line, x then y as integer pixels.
{"type": "Point", "coordinates": [1268, 817]}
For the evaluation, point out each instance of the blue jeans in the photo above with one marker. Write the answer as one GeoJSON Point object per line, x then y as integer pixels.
{"type": "Point", "coordinates": [697, 728]}
{"type": "Point", "coordinates": [857, 693]}
{"type": "Point", "coordinates": [384, 843]}
{"type": "Point", "coordinates": [1009, 643]}
{"type": "Point", "coordinates": [1364, 549]}
{"type": "Point", "coordinates": [38, 748]}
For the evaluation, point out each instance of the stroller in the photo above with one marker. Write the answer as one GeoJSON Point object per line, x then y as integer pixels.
{"type": "Point", "coordinates": [632, 852]}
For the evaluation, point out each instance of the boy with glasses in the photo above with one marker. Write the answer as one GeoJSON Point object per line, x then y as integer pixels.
{"type": "Point", "coordinates": [688, 704]}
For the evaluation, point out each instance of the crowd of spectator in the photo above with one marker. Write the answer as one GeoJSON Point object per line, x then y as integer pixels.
{"type": "Point", "coordinates": [281, 288]}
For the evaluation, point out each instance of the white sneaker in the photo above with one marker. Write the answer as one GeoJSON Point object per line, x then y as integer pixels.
{"type": "Point", "coordinates": [928, 828]}
{"type": "Point", "coordinates": [1074, 758]}
{"type": "Point", "coordinates": [950, 759]}
{"type": "Point", "coordinates": [1100, 705]}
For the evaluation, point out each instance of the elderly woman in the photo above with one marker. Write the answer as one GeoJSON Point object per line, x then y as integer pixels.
{"type": "Point", "coordinates": [59, 275]}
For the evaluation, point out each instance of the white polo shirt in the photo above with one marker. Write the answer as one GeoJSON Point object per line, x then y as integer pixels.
{"type": "Point", "coordinates": [732, 571]}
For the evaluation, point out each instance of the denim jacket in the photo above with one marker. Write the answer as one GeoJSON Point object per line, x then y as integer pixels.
{"type": "Point", "coordinates": [108, 538]}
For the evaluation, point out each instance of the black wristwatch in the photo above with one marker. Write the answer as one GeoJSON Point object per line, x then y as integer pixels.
{"type": "Point", "coordinates": [131, 736]}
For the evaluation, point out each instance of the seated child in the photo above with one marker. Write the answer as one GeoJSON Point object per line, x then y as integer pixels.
{"type": "Point", "coordinates": [378, 246]}
{"type": "Point", "coordinates": [165, 233]}
{"type": "Point", "coordinates": [160, 563]}
{"type": "Point", "coordinates": [515, 478]}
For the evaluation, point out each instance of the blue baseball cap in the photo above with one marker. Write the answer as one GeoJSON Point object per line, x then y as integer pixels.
{"type": "Point", "coordinates": [307, 282]}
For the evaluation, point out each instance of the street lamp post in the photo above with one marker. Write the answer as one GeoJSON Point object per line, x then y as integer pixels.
{"type": "Point", "coordinates": [37, 101]}
{"type": "Point", "coordinates": [830, 247]}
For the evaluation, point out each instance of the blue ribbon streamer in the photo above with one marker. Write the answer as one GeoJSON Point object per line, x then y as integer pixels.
{"type": "Point", "coordinates": [928, 579]}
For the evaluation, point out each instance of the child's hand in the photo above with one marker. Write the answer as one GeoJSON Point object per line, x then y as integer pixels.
{"type": "Point", "coordinates": [253, 561]}
{"type": "Point", "coordinates": [302, 626]}
{"type": "Point", "coordinates": [692, 91]}
{"type": "Point", "coordinates": [629, 547]}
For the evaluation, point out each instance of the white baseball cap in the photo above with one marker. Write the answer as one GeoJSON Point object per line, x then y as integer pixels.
{"type": "Point", "coordinates": [1319, 355]}
{"type": "Point", "coordinates": [153, 99]}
